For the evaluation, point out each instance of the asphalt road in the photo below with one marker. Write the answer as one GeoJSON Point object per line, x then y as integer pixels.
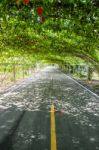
{"type": "Point", "coordinates": [49, 111]}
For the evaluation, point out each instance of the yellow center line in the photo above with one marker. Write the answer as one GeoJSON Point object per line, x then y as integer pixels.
{"type": "Point", "coordinates": [53, 130]}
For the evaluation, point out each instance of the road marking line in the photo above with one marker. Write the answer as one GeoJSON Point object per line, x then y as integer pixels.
{"type": "Point", "coordinates": [83, 86]}
{"type": "Point", "coordinates": [53, 130]}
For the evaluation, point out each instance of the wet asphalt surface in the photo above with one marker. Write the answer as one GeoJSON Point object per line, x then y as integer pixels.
{"type": "Point", "coordinates": [25, 114]}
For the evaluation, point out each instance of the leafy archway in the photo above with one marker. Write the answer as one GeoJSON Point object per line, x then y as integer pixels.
{"type": "Point", "coordinates": [65, 29]}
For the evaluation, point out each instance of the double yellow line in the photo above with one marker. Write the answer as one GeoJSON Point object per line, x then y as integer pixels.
{"type": "Point", "coordinates": [53, 129]}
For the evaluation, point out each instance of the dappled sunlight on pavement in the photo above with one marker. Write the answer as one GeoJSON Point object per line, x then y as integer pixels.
{"type": "Point", "coordinates": [25, 114]}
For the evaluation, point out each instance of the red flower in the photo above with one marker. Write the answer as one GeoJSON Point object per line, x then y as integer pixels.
{"type": "Point", "coordinates": [25, 2]}
{"type": "Point", "coordinates": [39, 11]}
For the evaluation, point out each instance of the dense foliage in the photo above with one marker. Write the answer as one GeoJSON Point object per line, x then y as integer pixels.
{"type": "Point", "coordinates": [67, 32]}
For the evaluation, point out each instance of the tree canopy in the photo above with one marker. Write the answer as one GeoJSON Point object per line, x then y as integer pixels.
{"type": "Point", "coordinates": [66, 31]}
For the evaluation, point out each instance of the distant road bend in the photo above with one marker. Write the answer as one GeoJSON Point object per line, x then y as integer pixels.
{"type": "Point", "coordinates": [49, 111]}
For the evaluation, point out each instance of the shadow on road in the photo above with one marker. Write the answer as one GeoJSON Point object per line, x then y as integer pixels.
{"type": "Point", "coordinates": [6, 143]}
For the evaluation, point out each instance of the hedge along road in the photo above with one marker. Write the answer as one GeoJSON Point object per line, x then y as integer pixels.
{"type": "Point", "coordinates": [49, 111]}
